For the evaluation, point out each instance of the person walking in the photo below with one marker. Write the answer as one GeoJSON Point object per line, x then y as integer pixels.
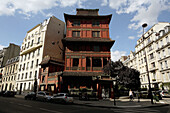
{"type": "Point", "coordinates": [131, 95]}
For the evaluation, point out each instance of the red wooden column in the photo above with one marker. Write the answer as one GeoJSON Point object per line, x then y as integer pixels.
{"type": "Point", "coordinates": [85, 64]}
{"type": "Point", "coordinates": [102, 62]}
{"type": "Point", "coordinates": [112, 91]}
{"type": "Point", "coordinates": [46, 77]}
{"type": "Point", "coordinates": [91, 63]}
{"type": "Point", "coordinates": [59, 84]}
{"type": "Point", "coordinates": [80, 63]}
{"type": "Point", "coordinates": [71, 63]}
{"type": "Point", "coordinates": [100, 91]}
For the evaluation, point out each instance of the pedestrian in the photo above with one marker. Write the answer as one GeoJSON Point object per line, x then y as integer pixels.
{"type": "Point", "coordinates": [138, 94]}
{"type": "Point", "coordinates": [131, 95]}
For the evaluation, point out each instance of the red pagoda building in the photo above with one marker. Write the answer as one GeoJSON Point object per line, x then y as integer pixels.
{"type": "Point", "coordinates": [87, 51]}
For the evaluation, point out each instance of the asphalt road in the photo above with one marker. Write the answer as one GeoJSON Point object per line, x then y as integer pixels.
{"type": "Point", "coordinates": [18, 105]}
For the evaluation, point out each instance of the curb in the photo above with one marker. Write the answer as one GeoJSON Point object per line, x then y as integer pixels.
{"type": "Point", "coordinates": [139, 106]}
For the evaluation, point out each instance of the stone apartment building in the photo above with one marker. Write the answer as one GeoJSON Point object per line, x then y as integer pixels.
{"type": "Point", "coordinates": [157, 48]}
{"type": "Point", "coordinates": [7, 53]}
{"type": "Point", "coordinates": [37, 44]}
{"type": "Point", "coordinates": [9, 74]}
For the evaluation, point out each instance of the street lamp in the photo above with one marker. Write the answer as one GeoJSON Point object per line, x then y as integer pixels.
{"type": "Point", "coordinates": [150, 91]}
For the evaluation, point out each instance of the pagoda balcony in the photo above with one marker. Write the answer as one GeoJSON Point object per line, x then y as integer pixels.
{"type": "Point", "coordinates": [97, 68]}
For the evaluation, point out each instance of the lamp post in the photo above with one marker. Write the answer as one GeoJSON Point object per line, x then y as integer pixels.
{"type": "Point", "coordinates": [114, 83]}
{"type": "Point", "coordinates": [150, 91]}
{"type": "Point", "coordinates": [35, 85]}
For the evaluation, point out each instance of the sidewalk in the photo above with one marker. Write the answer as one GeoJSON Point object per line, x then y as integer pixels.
{"type": "Point", "coordinates": [120, 103]}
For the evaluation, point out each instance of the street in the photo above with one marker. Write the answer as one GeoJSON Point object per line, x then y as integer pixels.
{"type": "Point", "coordinates": [18, 105]}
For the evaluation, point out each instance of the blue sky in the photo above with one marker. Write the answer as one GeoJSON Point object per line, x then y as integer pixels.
{"type": "Point", "coordinates": [19, 16]}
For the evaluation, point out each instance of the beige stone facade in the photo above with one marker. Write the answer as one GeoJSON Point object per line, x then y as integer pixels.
{"type": "Point", "coordinates": [5, 54]}
{"type": "Point", "coordinates": [157, 49]}
{"type": "Point", "coordinates": [9, 74]}
{"type": "Point", "coordinates": [44, 39]}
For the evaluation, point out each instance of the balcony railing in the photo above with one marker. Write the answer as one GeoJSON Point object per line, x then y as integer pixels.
{"type": "Point", "coordinates": [55, 73]}
{"type": "Point", "coordinates": [75, 68]}
{"type": "Point", "coordinates": [88, 68]}
{"type": "Point", "coordinates": [97, 68]}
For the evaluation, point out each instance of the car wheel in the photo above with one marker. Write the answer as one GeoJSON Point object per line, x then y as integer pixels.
{"type": "Point", "coordinates": [63, 102]}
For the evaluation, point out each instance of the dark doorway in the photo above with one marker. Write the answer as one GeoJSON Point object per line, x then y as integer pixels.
{"type": "Point", "coordinates": [20, 88]}
{"type": "Point", "coordinates": [6, 87]}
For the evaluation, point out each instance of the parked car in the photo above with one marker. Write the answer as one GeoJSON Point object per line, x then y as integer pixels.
{"type": "Point", "coordinates": [9, 94]}
{"type": "Point", "coordinates": [85, 94]}
{"type": "Point", "coordinates": [62, 98]}
{"type": "Point", "coordinates": [144, 94]}
{"type": "Point", "coordinates": [43, 96]}
{"type": "Point", "coordinates": [157, 93]}
{"type": "Point", "coordinates": [164, 93]}
{"type": "Point", "coordinates": [1, 93]}
{"type": "Point", "coordinates": [30, 95]}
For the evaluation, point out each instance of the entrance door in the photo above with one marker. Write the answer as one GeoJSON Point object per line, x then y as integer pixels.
{"type": "Point", "coordinates": [20, 88]}
{"type": "Point", "coordinates": [10, 86]}
{"type": "Point", "coordinates": [2, 87]}
{"type": "Point", "coordinates": [6, 87]}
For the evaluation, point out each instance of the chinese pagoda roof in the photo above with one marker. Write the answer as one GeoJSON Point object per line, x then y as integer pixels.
{"type": "Point", "coordinates": [72, 39]}
{"type": "Point", "coordinates": [92, 40]}
{"type": "Point", "coordinates": [87, 17]}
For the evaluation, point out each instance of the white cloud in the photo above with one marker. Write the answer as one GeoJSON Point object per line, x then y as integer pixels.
{"type": "Point", "coordinates": [1, 47]}
{"type": "Point", "coordinates": [66, 3]}
{"type": "Point", "coordinates": [131, 37]}
{"type": "Point", "coordinates": [145, 11]}
{"type": "Point", "coordinates": [29, 7]}
{"type": "Point", "coordinates": [115, 55]}
{"type": "Point", "coordinates": [104, 3]}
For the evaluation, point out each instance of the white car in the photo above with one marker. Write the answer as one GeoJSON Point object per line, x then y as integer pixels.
{"type": "Point", "coordinates": [62, 98]}
{"type": "Point", "coordinates": [43, 96]}
{"type": "Point", "coordinates": [164, 94]}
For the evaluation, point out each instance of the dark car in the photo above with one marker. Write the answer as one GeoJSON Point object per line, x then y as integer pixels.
{"type": "Point", "coordinates": [30, 95]}
{"type": "Point", "coordinates": [1, 93]}
{"type": "Point", "coordinates": [9, 94]}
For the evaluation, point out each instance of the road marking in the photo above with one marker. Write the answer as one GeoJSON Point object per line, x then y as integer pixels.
{"type": "Point", "coordinates": [50, 110]}
{"type": "Point", "coordinates": [129, 106]}
{"type": "Point", "coordinates": [20, 104]}
{"type": "Point", "coordinates": [27, 105]}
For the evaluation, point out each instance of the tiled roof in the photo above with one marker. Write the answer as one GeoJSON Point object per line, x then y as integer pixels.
{"type": "Point", "coordinates": [88, 40]}
{"type": "Point", "coordinates": [47, 59]}
{"type": "Point", "coordinates": [65, 73]}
